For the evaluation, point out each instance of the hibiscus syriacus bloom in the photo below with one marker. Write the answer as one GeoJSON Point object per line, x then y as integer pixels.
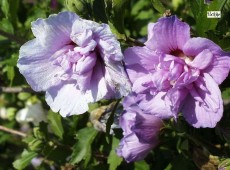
{"type": "Point", "coordinates": [75, 61]}
{"type": "Point", "coordinates": [140, 130]}
{"type": "Point", "coordinates": [178, 73]}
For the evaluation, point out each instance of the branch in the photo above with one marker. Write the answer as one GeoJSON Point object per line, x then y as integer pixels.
{"type": "Point", "coordinates": [15, 89]}
{"type": "Point", "coordinates": [12, 131]}
{"type": "Point", "coordinates": [12, 37]}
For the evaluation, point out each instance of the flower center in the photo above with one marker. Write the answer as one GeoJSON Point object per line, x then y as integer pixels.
{"type": "Point", "coordinates": [181, 55]}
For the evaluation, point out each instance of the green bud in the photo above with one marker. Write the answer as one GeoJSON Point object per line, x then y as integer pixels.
{"type": "Point", "coordinates": [35, 145]}
{"type": "Point", "coordinates": [38, 134]}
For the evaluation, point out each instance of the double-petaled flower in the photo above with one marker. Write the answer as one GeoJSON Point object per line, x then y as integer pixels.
{"type": "Point", "coordinates": [177, 73]}
{"type": "Point", "coordinates": [75, 61]}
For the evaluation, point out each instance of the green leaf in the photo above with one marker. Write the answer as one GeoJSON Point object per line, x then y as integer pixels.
{"type": "Point", "coordinates": [158, 6]}
{"type": "Point", "coordinates": [5, 7]}
{"type": "Point", "coordinates": [113, 159]}
{"type": "Point", "coordinates": [82, 149]}
{"type": "Point", "coordinates": [10, 73]}
{"type": "Point", "coordinates": [141, 165]}
{"type": "Point", "coordinates": [199, 10]}
{"type": "Point", "coordinates": [55, 123]}
{"type": "Point", "coordinates": [118, 7]}
{"type": "Point", "coordinates": [25, 159]}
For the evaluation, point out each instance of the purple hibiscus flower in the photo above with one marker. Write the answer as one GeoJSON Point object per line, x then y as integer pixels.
{"type": "Point", "coordinates": [75, 61]}
{"type": "Point", "coordinates": [140, 130]}
{"type": "Point", "coordinates": [178, 73]}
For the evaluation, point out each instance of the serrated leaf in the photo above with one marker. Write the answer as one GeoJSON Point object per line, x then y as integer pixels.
{"type": "Point", "coordinates": [24, 160]}
{"type": "Point", "coordinates": [82, 149]}
{"type": "Point", "coordinates": [55, 123]}
{"type": "Point", "coordinates": [141, 165]}
{"type": "Point", "coordinates": [113, 159]}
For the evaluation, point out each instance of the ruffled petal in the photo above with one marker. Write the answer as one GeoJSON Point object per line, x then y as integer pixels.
{"type": "Point", "coordinates": [219, 68]}
{"type": "Point", "coordinates": [157, 105]}
{"type": "Point", "coordinates": [194, 46]}
{"type": "Point", "coordinates": [147, 127]}
{"type": "Point", "coordinates": [202, 60]}
{"type": "Point", "coordinates": [67, 99]}
{"type": "Point", "coordinates": [50, 33]}
{"type": "Point", "coordinates": [168, 34]}
{"type": "Point", "coordinates": [142, 56]}
{"type": "Point", "coordinates": [132, 150]}
{"type": "Point", "coordinates": [205, 107]}
{"type": "Point", "coordinates": [37, 67]}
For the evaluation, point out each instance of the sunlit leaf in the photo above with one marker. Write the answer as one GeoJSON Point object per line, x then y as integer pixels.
{"type": "Point", "coordinates": [82, 149]}
{"type": "Point", "coordinates": [24, 160]}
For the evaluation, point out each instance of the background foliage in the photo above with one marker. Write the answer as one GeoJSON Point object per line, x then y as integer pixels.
{"type": "Point", "coordinates": [33, 137]}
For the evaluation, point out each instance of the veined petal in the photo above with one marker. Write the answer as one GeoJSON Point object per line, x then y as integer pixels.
{"type": "Point", "coordinates": [169, 34]}
{"type": "Point", "coordinates": [143, 56]}
{"type": "Point", "coordinates": [37, 66]}
{"type": "Point", "coordinates": [202, 60]}
{"type": "Point", "coordinates": [157, 105]}
{"type": "Point", "coordinates": [194, 46]}
{"type": "Point", "coordinates": [132, 150]}
{"type": "Point", "coordinates": [66, 99]}
{"type": "Point", "coordinates": [219, 68]}
{"type": "Point", "coordinates": [147, 127]}
{"type": "Point", "coordinates": [50, 33]}
{"type": "Point", "coordinates": [208, 112]}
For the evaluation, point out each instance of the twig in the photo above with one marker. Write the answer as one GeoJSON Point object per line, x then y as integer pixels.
{"type": "Point", "coordinates": [12, 37]}
{"type": "Point", "coordinates": [12, 131]}
{"type": "Point", "coordinates": [15, 89]}
{"type": "Point", "coordinates": [134, 42]}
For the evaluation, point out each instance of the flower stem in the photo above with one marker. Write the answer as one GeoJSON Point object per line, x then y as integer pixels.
{"type": "Point", "coordinates": [12, 131]}
{"type": "Point", "coordinates": [12, 37]}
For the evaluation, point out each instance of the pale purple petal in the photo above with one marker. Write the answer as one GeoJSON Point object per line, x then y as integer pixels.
{"type": "Point", "coordinates": [169, 33]}
{"type": "Point", "coordinates": [157, 105]}
{"type": "Point", "coordinates": [219, 68]}
{"type": "Point", "coordinates": [208, 112]}
{"type": "Point", "coordinates": [202, 60]}
{"type": "Point", "coordinates": [194, 46]}
{"type": "Point", "coordinates": [132, 149]}
{"type": "Point", "coordinates": [147, 127]}
{"type": "Point", "coordinates": [50, 33]}
{"type": "Point", "coordinates": [66, 99]}
{"type": "Point", "coordinates": [36, 66]}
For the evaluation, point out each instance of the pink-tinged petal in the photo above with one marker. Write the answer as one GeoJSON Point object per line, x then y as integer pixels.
{"type": "Point", "coordinates": [50, 33]}
{"type": "Point", "coordinates": [143, 56]}
{"type": "Point", "coordinates": [195, 46]}
{"type": "Point", "coordinates": [37, 67]}
{"type": "Point", "coordinates": [219, 68]}
{"type": "Point", "coordinates": [208, 112]}
{"type": "Point", "coordinates": [157, 105]}
{"type": "Point", "coordinates": [66, 99]}
{"type": "Point", "coordinates": [202, 60]}
{"type": "Point", "coordinates": [132, 150]}
{"type": "Point", "coordinates": [160, 80]}
{"type": "Point", "coordinates": [169, 34]}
